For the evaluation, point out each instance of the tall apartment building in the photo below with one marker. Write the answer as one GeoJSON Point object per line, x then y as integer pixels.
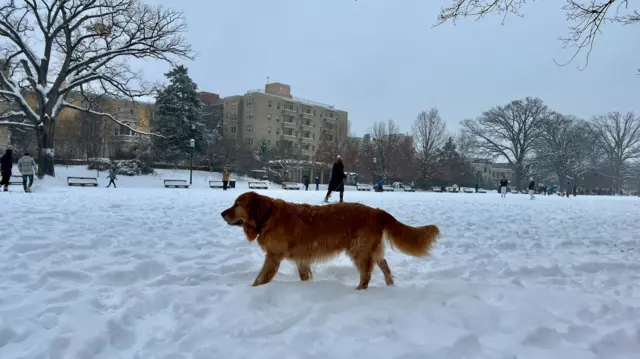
{"type": "Point", "coordinates": [283, 121]}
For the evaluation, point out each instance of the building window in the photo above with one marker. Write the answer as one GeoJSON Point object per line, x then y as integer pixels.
{"type": "Point", "coordinates": [232, 129]}
{"type": "Point", "coordinates": [249, 141]}
{"type": "Point", "coordinates": [269, 117]}
{"type": "Point", "coordinates": [278, 105]}
{"type": "Point", "coordinates": [268, 143]}
{"type": "Point", "coordinates": [234, 105]}
{"type": "Point", "coordinates": [248, 128]}
{"type": "Point", "coordinates": [269, 104]}
{"type": "Point", "coordinates": [269, 130]}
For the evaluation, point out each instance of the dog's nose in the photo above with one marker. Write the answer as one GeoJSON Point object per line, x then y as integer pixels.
{"type": "Point", "coordinates": [222, 213]}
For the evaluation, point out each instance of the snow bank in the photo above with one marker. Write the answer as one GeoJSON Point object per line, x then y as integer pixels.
{"type": "Point", "coordinates": [155, 273]}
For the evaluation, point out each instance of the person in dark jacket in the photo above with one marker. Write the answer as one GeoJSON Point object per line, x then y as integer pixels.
{"type": "Point", "coordinates": [112, 177]}
{"type": "Point", "coordinates": [532, 186]}
{"type": "Point", "coordinates": [317, 183]}
{"type": "Point", "coordinates": [6, 164]}
{"type": "Point", "coordinates": [503, 187]}
{"type": "Point", "coordinates": [305, 181]}
{"type": "Point", "coordinates": [336, 183]}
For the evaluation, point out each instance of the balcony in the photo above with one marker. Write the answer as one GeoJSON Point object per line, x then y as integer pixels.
{"type": "Point", "coordinates": [306, 115]}
{"type": "Point", "coordinates": [329, 119]}
{"type": "Point", "coordinates": [289, 124]}
{"type": "Point", "coordinates": [289, 111]}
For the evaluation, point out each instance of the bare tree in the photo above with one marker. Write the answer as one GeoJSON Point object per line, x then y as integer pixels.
{"type": "Point", "coordinates": [509, 131]}
{"type": "Point", "coordinates": [565, 147]}
{"type": "Point", "coordinates": [585, 17]}
{"type": "Point", "coordinates": [59, 48]}
{"type": "Point", "coordinates": [428, 131]}
{"type": "Point", "coordinates": [618, 135]}
{"type": "Point", "coordinates": [386, 148]}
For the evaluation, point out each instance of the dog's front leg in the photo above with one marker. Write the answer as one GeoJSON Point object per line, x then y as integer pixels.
{"type": "Point", "coordinates": [269, 269]}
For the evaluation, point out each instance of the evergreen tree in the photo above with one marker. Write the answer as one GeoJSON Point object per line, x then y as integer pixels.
{"type": "Point", "coordinates": [179, 116]}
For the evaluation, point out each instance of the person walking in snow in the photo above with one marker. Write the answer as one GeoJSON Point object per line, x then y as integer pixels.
{"type": "Point", "coordinates": [305, 181]}
{"type": "Point", "coordinates": [317, 183]}
{"type": "Point", "coordinates": [6, 164]}
{"type": "Point", "coordinates": [27, 167]}
{"type": "Point", "coordinates": [532, 186]}
{"type": "Point", "coordinates": [336, 182]}
{"type": "Point", "coordinates": [112, 177]}
{"type": "Point", "coordinates": [503, 187]}
{"type": "Point", "coordinates": [225, 179]}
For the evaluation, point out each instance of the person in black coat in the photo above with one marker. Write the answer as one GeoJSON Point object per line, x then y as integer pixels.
{"type": "Point", "coordinates": [532, 188]}
{"type": "Point", "coordinates": [6, 164]}
{"type": "Point", "coordinates": [336, 183]}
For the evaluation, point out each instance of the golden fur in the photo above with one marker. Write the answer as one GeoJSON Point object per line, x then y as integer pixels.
{"type": "Point", "coordinates": [306, 234]}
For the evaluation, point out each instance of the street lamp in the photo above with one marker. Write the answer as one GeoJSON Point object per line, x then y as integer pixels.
{"type": "Point", "coordinates": [373, 179]}
{"type": "Point", "coordinates": [192, 144]}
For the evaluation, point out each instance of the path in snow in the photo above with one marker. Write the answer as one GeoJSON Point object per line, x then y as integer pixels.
{"type": "Point", "coordinates": [156, 273]}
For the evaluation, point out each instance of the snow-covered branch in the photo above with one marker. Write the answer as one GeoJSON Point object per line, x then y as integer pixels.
{"type": "Point", "coordinates": [109, 116]}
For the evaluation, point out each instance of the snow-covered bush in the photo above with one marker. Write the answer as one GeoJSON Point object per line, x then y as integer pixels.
{"type": "Point", "coordinates": [132, 168]}
{"type": "Point", "coordinates": [99, 164]}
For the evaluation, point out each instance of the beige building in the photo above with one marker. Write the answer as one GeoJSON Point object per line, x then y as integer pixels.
{"type": "Point", "coordinates": [489, 174]}
{"type": "Point", "coordinates": [285, 122]}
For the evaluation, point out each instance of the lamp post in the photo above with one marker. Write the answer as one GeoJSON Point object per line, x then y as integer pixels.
{"type": "Point", "coordinates": [373, 179]}
{"type": "Point", "coordinates": [192, 144]}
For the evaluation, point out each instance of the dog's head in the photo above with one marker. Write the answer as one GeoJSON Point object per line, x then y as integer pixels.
{"type": "Point", "coordinates": [250, 211]}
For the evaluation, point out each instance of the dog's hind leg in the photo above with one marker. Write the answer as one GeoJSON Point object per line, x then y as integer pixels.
{"type": "Point", "coordinates": [304, 271]}
{"type": "Point", "coordinates": [384, 267]}
{"type": "Point", "coordinates": [269, 269]}
{"type": "Point", "coordinates": [364, 263]}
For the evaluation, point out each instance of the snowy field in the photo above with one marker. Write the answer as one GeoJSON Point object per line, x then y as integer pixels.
{"type": "Point", "coordinates": [146, 272]}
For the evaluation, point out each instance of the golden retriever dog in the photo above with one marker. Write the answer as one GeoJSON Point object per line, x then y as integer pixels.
{"type": "Point", "coordinates": [307, 234]}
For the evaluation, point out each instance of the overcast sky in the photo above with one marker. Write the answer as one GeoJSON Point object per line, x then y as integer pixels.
{"type": "Point", "coordinates": [381, 59]}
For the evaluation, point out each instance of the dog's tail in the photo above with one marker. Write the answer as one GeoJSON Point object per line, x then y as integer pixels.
{"type": "Point", "coordinates": [413, 241]}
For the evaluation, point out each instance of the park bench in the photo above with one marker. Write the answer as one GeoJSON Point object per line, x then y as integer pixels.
{"type": "Point", "coordinates": [364, 187]}
{"type": "Point", "coordinates": [291, 185]}
{"type": "Point", "coordinates": [258, 185]}
{"type": "Point", "coordinates": [174, 183]}
{"type": "Point", "coordinates": [468, 190]}
{"type": "Point", "coordinates": [15, 180]}
{"type": "Point", "coordinates": [215, 184]}
{"type": "Point", "coordinates": [82, 181]}
{"type": "Point", "coordinates": [387, 188]}
{"type": "Point", "coordinates": [436, 189]}
{"type": "Point", "coordinates": [409, 189]}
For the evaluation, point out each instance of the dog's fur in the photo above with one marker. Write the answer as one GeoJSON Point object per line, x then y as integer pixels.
{"type": "Point", "coordinates": [306, 234]}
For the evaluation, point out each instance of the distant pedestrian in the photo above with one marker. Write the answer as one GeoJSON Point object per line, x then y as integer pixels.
{"type": "Point", "coordinates": [317, 183]}
{"type": "Point", "coordinates": [6, 164]}
{"type": "Point", "coordinates": [568, 191]}
{"type": "Point", "coordinates": [225, 179]}
{"type": "Point", "coordinates": [503, 187]}
{"type": "Point", "coordinates": [27, 167]}
{"type": "Point", "coordinates": [112, 177]}
{"type": "Point", "coordinates": [306, 183]}
{"type": "Point", "coordinates": [532, 191]}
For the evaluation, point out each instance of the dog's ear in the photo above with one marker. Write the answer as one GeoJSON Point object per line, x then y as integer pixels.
{"type": "Point", "coordinates": [259, 208]}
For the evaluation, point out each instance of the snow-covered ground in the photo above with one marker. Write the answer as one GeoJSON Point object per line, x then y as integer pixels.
{"type": "Point", "coordinates": [147, 272]}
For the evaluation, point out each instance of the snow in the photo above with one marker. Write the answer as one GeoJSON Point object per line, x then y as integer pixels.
{"type": "Point", "coordinates": [147, 272]}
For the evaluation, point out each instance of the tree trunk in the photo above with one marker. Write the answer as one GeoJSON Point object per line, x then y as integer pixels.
{"type": "Point", "coordinates": [45, 149]}
{"type": "Point", "coordinates": [518, 178]}
{"type": "Point", "coordinates": [562, 181]}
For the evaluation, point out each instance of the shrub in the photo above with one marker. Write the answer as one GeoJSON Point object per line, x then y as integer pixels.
{"type": "Point", "coordinates": [99, 164]}
{"type": "Point", "coordinates": [132, 168]}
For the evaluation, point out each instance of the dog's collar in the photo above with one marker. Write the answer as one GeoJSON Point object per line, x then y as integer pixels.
{"type": "Point", "coordinates": [265, 218]}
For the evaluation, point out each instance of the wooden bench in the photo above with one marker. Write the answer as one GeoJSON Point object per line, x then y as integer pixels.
{"type": "Point", "coordinates": [216, 184]}
{"type": "Point", "coordinates": [15, 180]}
{"type": "Point", "coordinates": [82, 181]}
{"type": "Point", "coordinates": [409, 189]}
{"type": "Point", "coordinates": [173, 183]}
{"type": "Point", "coordinates": [258, 185]}
{"type": "Point", "coordinates": [291, 185]}
{"type": "Point", "coordinates": [436, 189]}
{"type": "Point", "coordinates": [468, 190]}
{"type": "Point", "coordinates": [364, 187]}
{"type": "Point", "coordinates": [388, 188]}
